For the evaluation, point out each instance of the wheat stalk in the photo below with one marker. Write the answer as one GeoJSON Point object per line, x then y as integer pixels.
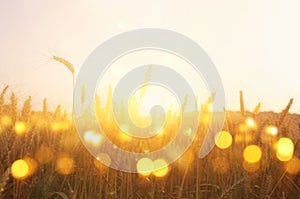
{"type": "Point", "coordinates": [13, 106]}
{"type": "Point", "coordinates": [257, 109]}
{"type": "Point", "coordinates": [64, 62]}
{"type": "Point", "coordinates": [3, 181]}
{"type": "Point", "coordinates": [242, 106]}
{"type": "Point", "coordinates": [265, 185]}
{"type": "Point", "coordinates": [227, 193]}
{"type": "Point", "coordinates": [45, 108]}
{"type": "Point", "coordinates": [284, 113]}
{"type": "Point", "coordinates": [57, 112]}
{"type": "Point", "coordinates": [2, 96]}
{"type": "Point", "coordinates": [26, 108]}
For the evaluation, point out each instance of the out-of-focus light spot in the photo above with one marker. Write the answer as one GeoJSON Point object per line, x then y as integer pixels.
{"type": "Point", "coordinates": [93, 138]}
{"type": "Point", "coordinates": [20, 128]}
{"type": "Point", "coordinates": [145, 166]}
{"type": "Point", "coordinates": [271, 130]}
{"type": "Point", "coordinates": [60, 126]}
{"type": "Point", "coordinates": [65, 164]}
{"type": "Point", "coordinates": [209, 107]}
{"type": "Point", "coordinates": [223, 139]}
{"type": "Point", "coordinates": [220, 165]}
{"type": "Point", "coordinates": [252, 154]}
{"type": "Point", "coordinates": [285, 149]}
{"type": "Point", "coordinates": [19, 169]}
{"type": "Point", "coordinates": [160, 168]}
{"type": "Point", "coordinates": [293, 166]}
{"type": "Point", "coordinates": [44, 154]}
{"type": "Point", "coordinates": [251, 167]}
{"type": "Point", "coordinates": [206, 119]}
{"type": "Point", "coordinates": [6, 121]}
{"type": "Point", "coordinates": [250, 123]}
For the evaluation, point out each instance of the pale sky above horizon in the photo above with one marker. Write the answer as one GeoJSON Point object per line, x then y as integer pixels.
{"type": "Point", "coordinates": [254, 44]}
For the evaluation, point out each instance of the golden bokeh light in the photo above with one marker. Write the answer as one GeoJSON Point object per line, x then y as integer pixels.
{"type": "Point", "coordinates": [251, 123]}
{"type": "Point", "coordinates": [6, 121]}
{"type": "Point", "coordinates": [206, 119]}
{"type": "Point", "coordinates": [160, 168]}
{"type": "Point", "coordinates": [60, 126]}
{"type": "Point", "coordinates": [93, 138]}
{"type": "Point", "coordinates": [65, 164]}
{"type": "Point", "coordinates": [271, 130]}
{"type": "Point", "coordinates": [20, 128]}
{"type": "Point", "coordinates": [285, 149]}
{"type": "Point", "coordinates": [252, 154]}
{"type": "Point", "coordinates": [223, 139]}
{"type": "Point", "coordinates": [209, 107]}
{"type": "Point", "coordinates": [19, 169]}
{"type": "Point", "coordinates": [145, 166]}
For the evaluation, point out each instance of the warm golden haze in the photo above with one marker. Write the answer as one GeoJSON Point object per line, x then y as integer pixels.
{"type": "Point", "coordinates": [44, 146]}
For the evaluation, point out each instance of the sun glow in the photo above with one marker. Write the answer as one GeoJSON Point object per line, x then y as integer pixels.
{"type": "Point", "coordinates": [142, 101]}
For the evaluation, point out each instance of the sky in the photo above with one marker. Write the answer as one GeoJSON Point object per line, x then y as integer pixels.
{"type": "Point", "coordinates": [254, 44]}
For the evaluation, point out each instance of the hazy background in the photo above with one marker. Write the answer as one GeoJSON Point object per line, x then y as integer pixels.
{"type": "Point", "coordinates": [253, 43]}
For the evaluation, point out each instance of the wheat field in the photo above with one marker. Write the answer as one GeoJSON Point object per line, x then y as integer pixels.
{"type": "Point", "coordinates": [256, 156]}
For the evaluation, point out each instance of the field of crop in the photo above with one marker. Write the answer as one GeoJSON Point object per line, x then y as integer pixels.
{"type": "Point", "coordinates": [256, 156]}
